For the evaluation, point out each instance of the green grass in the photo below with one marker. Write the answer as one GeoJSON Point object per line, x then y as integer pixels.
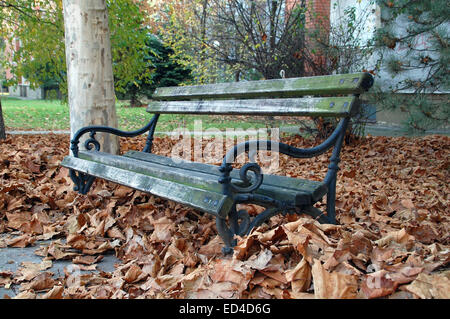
{"type": "Point", "coordinates": [36, 115]}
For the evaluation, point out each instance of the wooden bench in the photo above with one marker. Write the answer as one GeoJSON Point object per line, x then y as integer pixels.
{"type": "Point", "coordinates": [217, 190]}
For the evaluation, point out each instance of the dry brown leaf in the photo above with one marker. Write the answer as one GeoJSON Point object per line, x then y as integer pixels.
{"type": "Point", "coordinates": [56, 250]}
{"type": "Point", "coordinates": [272, 235]}
{"type": "Point", "coordinates": [55, 293]}
{"type": "Point", "coordinates": [42, 281]}
{"type": "Point", "coordinates": [378, 284]}
{"type": "Point", "coordinates": [212, 248]}
{"type": "Point", "coordinates": [333, 285]}
{"type": "Point", "coordinates": [21, 241]}
{"type": "Point", "coordinates": [276, 275]}
{"type": "Point", "coordinates": [400, 237]}
{"type": "Point", "coordinates": [260, 261]}
{"type": "Point", "coordinates": [115, 232]}
{"type": "Point", "coordinates": [163, 230]}
{"type": "Point", "coordinates": [217, 290]}
{"type": "Point", "coordinates": [133, 274]}
{"type": "Point", "coordinates": [425, 233]}
{"type": "Point", "coordinates": [122, 191]}
{"type": "Point", "coordinates": [29, 294]}
{"type": "Point", "coordinates": [300, 242]}
{"type": "Point", "coordinates": [299, 277]}
{"type": "Point", "coordinates": [404, 274]}
{"type": "Point", "coordinates": [242, 248]}
{"type": "Point", "coordinates": [17, 220]}
{"type": "Point", "coordinates": [87, 260]}
{"type": "Point", "coordinates": [431, 286]}
{"type": "Point", "coordinates": [29, 270]}
{"type": "Point", "coordinates": [233, 271]}
{"type": "Point", "coordinates": [300, 295]}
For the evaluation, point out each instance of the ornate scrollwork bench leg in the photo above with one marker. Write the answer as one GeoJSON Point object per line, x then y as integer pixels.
{"type": "Point", "coordinates": [240, 222]}
{"type": "Point", "coordinates": [82, 181]}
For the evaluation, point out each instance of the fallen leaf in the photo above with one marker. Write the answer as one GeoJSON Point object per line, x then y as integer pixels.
{"type": "Point", "coordinates": [332, 285]}
{"type": "Point", "coordinates": [435, 286]}
{"type": "Point", "coordinates": [42, 281]}
{"type": "Point", "coordinates": [163, 230]}
{"type": "Point", "coordinates": [87, 260]}
{"type": "Point", "coordinates": [378, 284]}
{"type": "Point", "coordinates": [299, 277]}
{"type": "Point", "coordinates": [133, 274]}
{"type": "Point", "coordinates": [400, 237]}
{"type": "Point", "coordinates": [21, 241]}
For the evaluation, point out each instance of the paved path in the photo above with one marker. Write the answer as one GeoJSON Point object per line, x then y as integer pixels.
{"type": "Point", "coordinates": [11, 259]}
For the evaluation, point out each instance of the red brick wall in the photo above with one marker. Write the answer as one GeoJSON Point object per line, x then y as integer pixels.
{"type": "Point", "coordinates": [318, 17]}
{"type": "Point", "coordinates": [321, 19]}
{"type": "Point", "coordinates": [320, 7]}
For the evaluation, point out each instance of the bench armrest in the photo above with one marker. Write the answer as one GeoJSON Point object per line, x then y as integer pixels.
{"type": "Point", "coordinates": [92, 130]}
{"type": "Point", "coordinates": [84, 181]}
{"type": "Point", "coordinates": [253, 146]}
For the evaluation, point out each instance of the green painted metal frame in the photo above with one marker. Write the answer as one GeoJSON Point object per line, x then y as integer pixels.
{"type": "Point", "coordinates": [82, 181]}
{"type": "Point", "coordinates": [244, 194]}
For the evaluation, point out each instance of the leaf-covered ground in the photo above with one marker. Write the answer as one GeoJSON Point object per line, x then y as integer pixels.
{"type": "Point", "coordinates": [392, 240]}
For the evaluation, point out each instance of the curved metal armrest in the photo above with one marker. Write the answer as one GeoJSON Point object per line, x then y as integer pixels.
{"type": "Point", "coordinates": [253, 146]}
{"type": "Point", "coordinates": [92, 130]}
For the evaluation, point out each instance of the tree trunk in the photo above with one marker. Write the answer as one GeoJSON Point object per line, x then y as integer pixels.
{"type": "Point", "coordinates": [89, 69]}
{"type": "Point", "coordinates": [2, 124]}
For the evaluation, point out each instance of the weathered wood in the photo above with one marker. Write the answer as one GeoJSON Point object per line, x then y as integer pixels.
{"type": "Point", "coordinates": [328, 106]}
{"type": "Point", "coordinates": [314, 189]}
{"type": "Point", "coordinates": [210, 202]}
{"type": "Point", "coordinates": [293, 87]}
{"type": "Point", "coordinates": [300, 192]}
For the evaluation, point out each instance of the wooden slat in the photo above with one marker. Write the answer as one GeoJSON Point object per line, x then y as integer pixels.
{"type": "Point", "coordinates": [314, 188]}
{"type": "Point", "coordinates": [328, 106]}
{"type": "Point", "coordinates": [210, 202]}
{"type": "Point", "coordinates": [205, 176]}
{"type": "Point", "coordinates": [293, 87]}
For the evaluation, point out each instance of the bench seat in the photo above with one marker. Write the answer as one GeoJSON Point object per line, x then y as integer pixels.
{"type": "Point", "coordinates": [190, 183]}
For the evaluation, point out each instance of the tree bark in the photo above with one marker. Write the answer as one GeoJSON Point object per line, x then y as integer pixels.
{"type": "Point", "coordinates": [89, 69]}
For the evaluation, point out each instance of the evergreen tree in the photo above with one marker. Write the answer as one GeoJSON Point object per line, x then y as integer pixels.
{"type": "Point", "coordinates": [166, 71]}
{"type": "Point", "coordinates": [414, 48]}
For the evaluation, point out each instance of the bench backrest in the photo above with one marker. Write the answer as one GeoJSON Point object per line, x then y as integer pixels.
{"type": "Point", "coordinates": [331, 95]}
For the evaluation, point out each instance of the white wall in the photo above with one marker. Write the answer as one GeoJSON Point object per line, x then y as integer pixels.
{"type": "Point", "coordinates": [14, 91]}
{"type": "Point", "coordinates": [372, 21]}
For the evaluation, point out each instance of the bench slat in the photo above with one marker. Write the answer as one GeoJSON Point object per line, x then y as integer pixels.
{"type": "Point", "coordinates": [314, 189]}
{"type": "Point", "coordinates": [293, 87]}
{"type": "Point", "coordinates": [312, 106]}
{"type": "Point", "coordinates": [195, 179]}
{"type": "Point", "coordinates": [205, 176]}
{"type": "Point", "coordinates": [211, 202]}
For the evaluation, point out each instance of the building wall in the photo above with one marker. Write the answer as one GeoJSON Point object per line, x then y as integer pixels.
{"type": "Point", "coordinates": [22, 89]}
{"type": "Point", "coordinates": [25, 92]}
{"type": "Point", "coordinates": [320, 7]}
{"type": "Point", "coordinates": [371, 19]}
